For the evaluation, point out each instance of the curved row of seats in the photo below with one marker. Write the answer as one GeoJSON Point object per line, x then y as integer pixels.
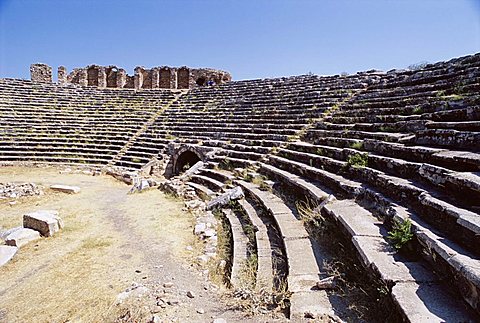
{"type": "Point", "coordinates": [75, 125]}
{"type": "Point", "coordinates": [372, 149]}
{"type": "Point", "coordinates": [405, 147]}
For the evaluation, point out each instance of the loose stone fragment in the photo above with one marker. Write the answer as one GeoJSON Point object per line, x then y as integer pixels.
{"type": "Point", "coordinates": [46, 222]}
{"type": "Point", "coordinates": [21, 237]}
{"type": "Point", "coordinates": [65, 188]}
{"type": "Point", "coordinates": [326, 283]}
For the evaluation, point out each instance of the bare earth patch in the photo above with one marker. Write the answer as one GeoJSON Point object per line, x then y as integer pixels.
{"type": "Point", "coordinates": [110, 241]}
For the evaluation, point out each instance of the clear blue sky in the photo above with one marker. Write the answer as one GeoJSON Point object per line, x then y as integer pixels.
{"type": "Point", "coordinates": [249, 38]}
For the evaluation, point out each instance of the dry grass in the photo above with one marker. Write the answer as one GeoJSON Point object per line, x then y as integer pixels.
{"type": "Point", "coordinates": [76, 275]}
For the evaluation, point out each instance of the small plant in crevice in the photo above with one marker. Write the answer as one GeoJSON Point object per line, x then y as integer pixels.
{"type": "Point", "coordinates": [227, 164]}
{"type": "Point", "coordinates": [357, 145]}
{"type": "Point", "coordinates": [417, 110]}
{"type": "Point", "coordinates": [357, 160]}
{"type": "Point", "coordinates": [186, 167]}
{"type": "Point", "coordinates": [400, 234]}
{"type": "Point", "coordinates": [260, 181]}
{"type": "Point", "coordinates": [309, 210]}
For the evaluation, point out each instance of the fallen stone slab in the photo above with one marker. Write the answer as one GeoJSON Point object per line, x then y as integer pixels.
{"type": "Point", "coordinates": [65, 188]}
{"type": "Point", "coordinates": [21, 237]}
{"type": "Point", "coordinates": [7, 253]}
{"type": "Point", "coordinates": [5, 233]}
{"type": "Point", "coordinates": [235, 193]}
{"type": "Point", "coordinates": [47, 222]}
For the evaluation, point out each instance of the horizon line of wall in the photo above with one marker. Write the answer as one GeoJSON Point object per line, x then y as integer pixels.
{"type": "Point", "coordinates": [162, 77]}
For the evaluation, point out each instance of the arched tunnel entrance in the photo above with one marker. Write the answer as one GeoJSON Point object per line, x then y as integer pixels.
{"type": "Point", "coordinates": [186, 160]}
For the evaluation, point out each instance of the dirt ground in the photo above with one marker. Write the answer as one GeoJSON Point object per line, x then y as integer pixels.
{"type": "Point", "coordinates": [110, 241]}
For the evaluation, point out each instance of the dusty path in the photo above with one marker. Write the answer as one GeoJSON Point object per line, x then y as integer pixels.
{"type": "Point", "coordinates": [110, 241]}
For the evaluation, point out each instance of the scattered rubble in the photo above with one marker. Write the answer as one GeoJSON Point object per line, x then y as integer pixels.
{"type": "Point", "coordinates": [16, 190]}
{"type": "Point", "coordinates": [134, 291]}
{"type": "Point", "coordinates": [205, 222]}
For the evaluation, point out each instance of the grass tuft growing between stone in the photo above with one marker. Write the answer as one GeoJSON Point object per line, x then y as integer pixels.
{"type": "Point", "coordinates": [400, 234]}
{"type": "Point", "coordinates": [357, 160]}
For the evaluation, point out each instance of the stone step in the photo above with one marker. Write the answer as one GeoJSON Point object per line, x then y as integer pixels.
{"type": "Point", "coordinates": [456, 125]}
{"type": "Point", "coordinates": [202, 190]}
{"type": "Point", "coordinates": [460, 224]}
{"type": "Point", "coordinates": [462, 185]}
{"type": "Point", "coordinates": [303, 269]}
{"type": "Point", "coordinates": [353, 134]}
{"type": "Point", "coordinates": [357, 221]}
{"type": "Point", "coordinates": [240, 254]}
{"type": "Point", "coordinates": [452, 139]}
{"type": "Point", "coordinates": [454, 160]}
{"type": "Point", "coordinates": [399, 126]}
{"type": "Point", "coordinates": [407, 277]}
{"type": "Point", "coordinates": [206, 181]}
{"type": "Point", "coordinates": [218, 175]}
{"type": "Point", "coordinates": [263, 246]}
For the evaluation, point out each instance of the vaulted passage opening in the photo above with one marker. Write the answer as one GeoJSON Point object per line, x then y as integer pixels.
{"type": "Point", "coordinates": [186, 160]}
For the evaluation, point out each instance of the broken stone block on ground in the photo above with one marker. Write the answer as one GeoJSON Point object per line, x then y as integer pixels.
{"type": "Point", "coordinates": [47, 222]}
{"type": "Point", "coordinates": [22, 236]}
{"type": "Point", "coordinates": [65, 188]}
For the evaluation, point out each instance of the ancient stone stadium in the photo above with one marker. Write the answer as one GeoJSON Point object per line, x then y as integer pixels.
{"type": "Point", "coordinates": [327, 198]}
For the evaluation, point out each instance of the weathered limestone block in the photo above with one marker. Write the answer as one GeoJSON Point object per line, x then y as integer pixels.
{"type": "Point", "coordinates": [62, 75]}
{"type": "Point", "coordinates": [6, 233]}
{"type": "Point", "coordinates": [235, 193]}
{"type": "Point", "coordinates": [7, 253]}
{"type": "Point", "coordinates": [46, 222]}
{"type": "Point", "coordinates": [41, 73]}
{"type": "Point", "coordinates": [65, 188]}
{"type": "Point", "coordinates": [21, 237]}
{"type": "Point", "coordinates": [111, 72]}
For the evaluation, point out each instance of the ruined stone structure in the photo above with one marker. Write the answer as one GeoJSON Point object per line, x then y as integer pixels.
{"type": "Point", "coordinates": [163, 77]}
{"type": "Point", "coordinates": [41, 73]}
{"type": "Point", "coordinates": [366, 153]}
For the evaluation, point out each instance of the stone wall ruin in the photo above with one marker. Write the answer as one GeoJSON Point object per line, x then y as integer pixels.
{"type": "Point", "coordinates": [163, 77]}
{"type": "Point", "coordinates": [41, 73]}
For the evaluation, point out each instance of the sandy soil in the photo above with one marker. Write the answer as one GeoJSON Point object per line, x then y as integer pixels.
{"type": "Point", "coordinates": [110, 241]}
